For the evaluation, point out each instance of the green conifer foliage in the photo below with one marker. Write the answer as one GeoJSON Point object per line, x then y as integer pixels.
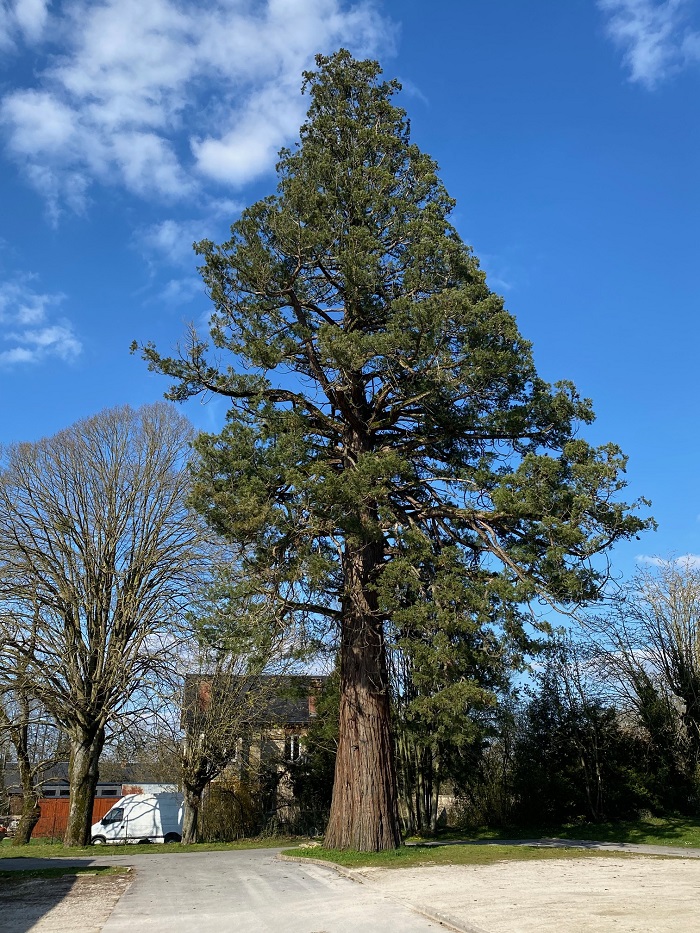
{"type": "Point", "coordinates": [382, 402]}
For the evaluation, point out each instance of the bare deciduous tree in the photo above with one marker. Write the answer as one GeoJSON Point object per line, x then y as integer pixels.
{"type": "Point", "coordinates": [32, 734]}
{"type": "Point", "coordinates": [225, 689]}
{"type": "Point", "coordinates": [219, 707]}
{"type": "Point", "coordinates": [648, 650]}
{"type": "Point", "coordinates": [98, 553]}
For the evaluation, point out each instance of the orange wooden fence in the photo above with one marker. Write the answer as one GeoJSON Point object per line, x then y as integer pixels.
{"type": "Point", "coordinates": [54, 815]}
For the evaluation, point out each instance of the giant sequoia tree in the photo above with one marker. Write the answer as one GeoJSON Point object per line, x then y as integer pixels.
{"type": "Point", "coordinates": [383, 405]}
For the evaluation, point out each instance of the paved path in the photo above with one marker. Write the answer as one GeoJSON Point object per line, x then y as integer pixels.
{"type": "Point", "coordinates": [250, 891]}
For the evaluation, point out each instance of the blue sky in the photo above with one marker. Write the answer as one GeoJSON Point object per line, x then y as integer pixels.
{"type": "Point", "coordinates": [565, 129]}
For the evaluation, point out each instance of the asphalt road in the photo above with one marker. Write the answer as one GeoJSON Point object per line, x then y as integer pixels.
{"type": "Point", "coordinates": [251, 891]}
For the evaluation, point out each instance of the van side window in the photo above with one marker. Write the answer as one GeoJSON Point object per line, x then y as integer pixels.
{"type": "Point", "coordinates": [115, 815]}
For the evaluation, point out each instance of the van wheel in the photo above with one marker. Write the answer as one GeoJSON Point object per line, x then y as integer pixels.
{"type": "Point", "coordinates": [98, 840]}
{"type": "Point", "coordinates": [173, 837]}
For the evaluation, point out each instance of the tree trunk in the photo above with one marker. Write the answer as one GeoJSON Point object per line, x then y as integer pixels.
{"type": "Point", "coordinates": [364, 810]}
{"type": "Point", "coordinates": [434, 792]}
{"type": "Point", "coordinates": [422, 823]}
{"type": "Point", "coordinates": [31, 812]}
{"type": "Point", "coordinates": [406, 783]}
{"type": "Point", "coordinates": [83, 774]}
{"type": "Point", "coordinates": [191, 818]}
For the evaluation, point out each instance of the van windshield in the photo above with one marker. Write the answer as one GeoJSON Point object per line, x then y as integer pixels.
{"type": "Point", "coordinates": [115, 815]}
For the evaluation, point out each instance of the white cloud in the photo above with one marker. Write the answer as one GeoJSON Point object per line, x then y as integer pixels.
{"type": "Point", "coordinates": [685, 561]}
{"type": "Point", "coordinates": [655, 37]}
{"type": "Point", "coordinates": [182, 291]}
{"type": "Point", "coordinates": [40, 121]}
{"type": "Point", "coordinates": [22, 20]}
{"type": "Point", "coordinates": [27, 325]}
{"type": "Point", "coordinates": [170, 241]}
{"type": "Point", "coordinates": [498, 271]}
{"type": "Point", "coordinates": [268, 118]}
{"type": "Point", "coordinates": [31, 17]}
{"type": "Point", "coordinates": [412, 90]}
{"type": "Point", "coordinates": [165, 97]}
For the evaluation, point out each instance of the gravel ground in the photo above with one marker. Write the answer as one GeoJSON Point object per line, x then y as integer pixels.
{"type": "Point", "coordinates": [69, 904]}
{"type": "Point", "coordinates": [630, 895]}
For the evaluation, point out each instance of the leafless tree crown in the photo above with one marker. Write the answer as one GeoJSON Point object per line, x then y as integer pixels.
{"type": "Point", "coordinates": [98, 553]}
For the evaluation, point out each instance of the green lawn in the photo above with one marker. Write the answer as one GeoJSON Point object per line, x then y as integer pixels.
{"type": "Point", "coordinates": [37, 849]}
{"type": "Point", "coordinates": [421, 855]}
{"type": "Point", "coordinates": [652, 831]}
{"type": "Point", "coordinates": [662, 831]}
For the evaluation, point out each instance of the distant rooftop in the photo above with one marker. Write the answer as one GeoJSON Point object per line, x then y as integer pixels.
{"type": "Point", "coordinates": [114, 774]}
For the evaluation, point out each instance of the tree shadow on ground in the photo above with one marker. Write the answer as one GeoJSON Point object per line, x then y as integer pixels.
{"type": "Point", "coordinates": [669, 831]}
{"type": "Point", "coordinates": [32, 887]}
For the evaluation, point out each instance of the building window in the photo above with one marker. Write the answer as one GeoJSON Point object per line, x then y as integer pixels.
{"type": "Point", "coordinates": [49, 793]}
{"type": "Point", "coordinates": [109, 792]}
{"type": "Point", "coordinates": [65, 793]}
{"type": "Point", "coordinates": [292, 748]}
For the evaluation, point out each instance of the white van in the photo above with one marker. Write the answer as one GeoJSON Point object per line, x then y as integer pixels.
{"type": "Point", "coordinates": [141, 818]}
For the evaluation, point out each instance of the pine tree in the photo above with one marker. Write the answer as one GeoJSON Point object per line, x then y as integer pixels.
{"type": "Point", "coordinates": [382, 400]}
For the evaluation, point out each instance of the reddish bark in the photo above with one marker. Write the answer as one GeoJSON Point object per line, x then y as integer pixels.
{"type": "Point", "coordinates": [364, 810]}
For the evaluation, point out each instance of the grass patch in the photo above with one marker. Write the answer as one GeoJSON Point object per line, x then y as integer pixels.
{"type": "Point", "coordinates": [422, 855]}
{"type": "Point", "coordinates": [659, 831]}
{"type": "Point", "coordinates": [37, 849]}
{"type": "Point", "coordinates": [59, 872]}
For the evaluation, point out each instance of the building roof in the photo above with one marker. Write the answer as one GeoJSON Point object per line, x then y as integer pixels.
{"type": "Point", "coordinates": [114, 773]}
{"type": "Point", "coordinates": [267, 700]}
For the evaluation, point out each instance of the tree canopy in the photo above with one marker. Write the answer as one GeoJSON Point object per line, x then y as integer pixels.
{"type": "Point", "coordinates": [99, 554]}
{"type": "Point", "coordinates": [383, 408]}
